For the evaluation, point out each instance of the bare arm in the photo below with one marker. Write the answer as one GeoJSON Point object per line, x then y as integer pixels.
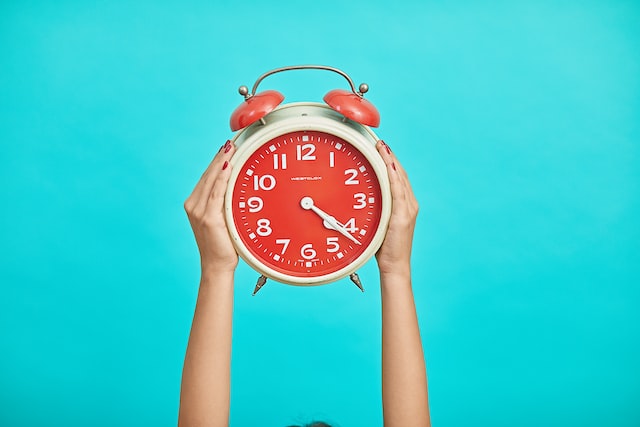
{"type": "Point", "coordinates": [404, 380]}
{"type": "Point", "coordinates": [204, 394]}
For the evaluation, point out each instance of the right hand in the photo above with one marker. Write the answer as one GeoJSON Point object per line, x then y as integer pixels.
{"type": "Point", "coordinates": [394, 256]}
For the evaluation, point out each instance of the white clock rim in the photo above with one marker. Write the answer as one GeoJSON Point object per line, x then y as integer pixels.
{"type": "Point", "coordinates": [289, 118]}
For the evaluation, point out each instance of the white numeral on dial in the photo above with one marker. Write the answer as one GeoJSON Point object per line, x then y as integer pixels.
{"type": "Point", "coordinates": [255, 204]}
{"type": "Point", "coordinates": [352, 179]}
{"type": "Point", "coordinates": [308, 149]}
{"type": "Point", "coordinates": [350, 225]}
{"type": "Point", "coordinates": [264, 182]}
{"type": "Point", "coordinates": [264, 227]}
{"type": "Point", "coordinates": [332, 244]}
{"type": "Point", "coordinates": [279, 162]}
{"type": "Point", "coordinates": [361, 198]}
{"type": "Point", "coordinates": [284, 243]}
{"type": "Point", "coordinates": [307, 251]}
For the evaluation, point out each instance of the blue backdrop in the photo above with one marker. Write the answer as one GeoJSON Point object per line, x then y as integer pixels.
{"type": "Point", "coordinates": [518, 123]}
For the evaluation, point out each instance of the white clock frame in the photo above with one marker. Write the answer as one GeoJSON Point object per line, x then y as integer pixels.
{"type": "Point", "coordinates": [301, 116]}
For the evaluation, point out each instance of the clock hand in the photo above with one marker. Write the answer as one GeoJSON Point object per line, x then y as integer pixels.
{"type": "Point", "coordinates": [307, 204]}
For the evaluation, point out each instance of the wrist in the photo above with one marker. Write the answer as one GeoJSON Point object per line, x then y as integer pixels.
{"type": "Point", "coordinates": [209, 266]}
{"type": "Point", "coordinates": [211, 276]}
{"type": "Point", "coordinates": [400, 276]}
{"type": "Point", "coordinates": [395, 268]}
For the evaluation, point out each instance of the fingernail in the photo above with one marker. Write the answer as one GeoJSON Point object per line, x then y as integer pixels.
{"type": "Point", "coordinates": [393, 165]}
{"type": "Point", "coordinates": [386, 146]}
{"type": "Point", "coordinates": [228, 143]}
{"type": "Point", "coordinates": [226, 164]}
{"type": "Point", "coordinates": [227, 148]}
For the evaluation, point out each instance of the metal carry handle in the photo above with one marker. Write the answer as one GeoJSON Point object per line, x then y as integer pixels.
{"type": "Point", "coordinates": [244, 91]}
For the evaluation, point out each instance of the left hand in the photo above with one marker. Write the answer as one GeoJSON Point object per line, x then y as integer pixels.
{"type": "Point", "coordinates": [205, 209]}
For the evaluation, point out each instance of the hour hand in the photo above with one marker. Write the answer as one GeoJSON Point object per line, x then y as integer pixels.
{"type": "Point", "coordinates": [307, 204]}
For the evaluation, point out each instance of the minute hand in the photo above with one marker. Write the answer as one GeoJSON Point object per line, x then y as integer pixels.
{"type": "Point", "coordinates": [307, 203]}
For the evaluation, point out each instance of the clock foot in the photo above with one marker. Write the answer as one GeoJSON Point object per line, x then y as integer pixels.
{"type": "Point", "coordinates": [355, 279]}
{"type": "Point", "coordinates": [261, 281]}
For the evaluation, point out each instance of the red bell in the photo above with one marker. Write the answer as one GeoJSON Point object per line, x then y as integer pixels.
{"type": "Point", "coordinates": [254, 108]}
{"type": "Point", "coordinates": [353, 107]}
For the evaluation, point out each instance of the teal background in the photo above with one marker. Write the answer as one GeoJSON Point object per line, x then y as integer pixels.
{"type": "Point", "coordinates": [517, 123]}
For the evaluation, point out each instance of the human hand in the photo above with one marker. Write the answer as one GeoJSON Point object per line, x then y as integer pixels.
{"type": "Point", "coordinates": [205, 209]}
{"type": "Point", "coordinates": [394, 256]}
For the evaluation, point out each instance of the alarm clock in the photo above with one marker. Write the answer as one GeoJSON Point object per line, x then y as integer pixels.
{"type": "Point", "coordinates": [308, 200]}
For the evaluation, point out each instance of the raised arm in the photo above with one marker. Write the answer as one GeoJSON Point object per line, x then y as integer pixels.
{"type": "Point", "coordinates": [404, 380]}
{"type": "Point", "coordinates": [204, 395]}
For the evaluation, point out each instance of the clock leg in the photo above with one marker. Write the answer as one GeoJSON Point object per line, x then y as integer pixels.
{"type": "Point", "coordinates": [355, 279]}
{"type": "Point", "coordinates": [261, 281]}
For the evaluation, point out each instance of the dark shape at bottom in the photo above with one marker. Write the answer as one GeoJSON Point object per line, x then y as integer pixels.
{"type": "Point", "coordinates": [261, 281]}
{"type": "Point", "coordinates": [355, 279]}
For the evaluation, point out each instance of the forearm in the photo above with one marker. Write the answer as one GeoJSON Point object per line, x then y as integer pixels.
{"type": "Point", "coordinates": [204, 395]}
{"type": "Point", "coordinates": [404, 380]}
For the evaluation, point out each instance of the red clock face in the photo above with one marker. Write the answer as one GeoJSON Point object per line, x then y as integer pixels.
{"type": "Point", "coordinates": [306, 203]}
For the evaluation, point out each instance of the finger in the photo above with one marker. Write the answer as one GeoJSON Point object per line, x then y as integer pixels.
{"type": "Point", "coordinates": [409, 194]}
{"type": "Point", "coordinates": [386, 154]}
{"type": "Point", "coordinates": [203, 188]}
{"type": "Point", "coordinates": [194, 198]}
{"type": "Point", "coordinates": [395, 178]}
{"type": "Point", "coordinates": [392, 162]}
{"type": "Point", "coordinates": [404, 177]}
{"type": "Point", "coordinates": [404, 200]}
{"type": "Point", "coordinates": [223, 149]}
{"type": "Point", "coordinates": [397, 166]}
{"type": "Point", "coordinates": [407, 184]}
{"type": "Point", "coordinates": [215, 199]}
